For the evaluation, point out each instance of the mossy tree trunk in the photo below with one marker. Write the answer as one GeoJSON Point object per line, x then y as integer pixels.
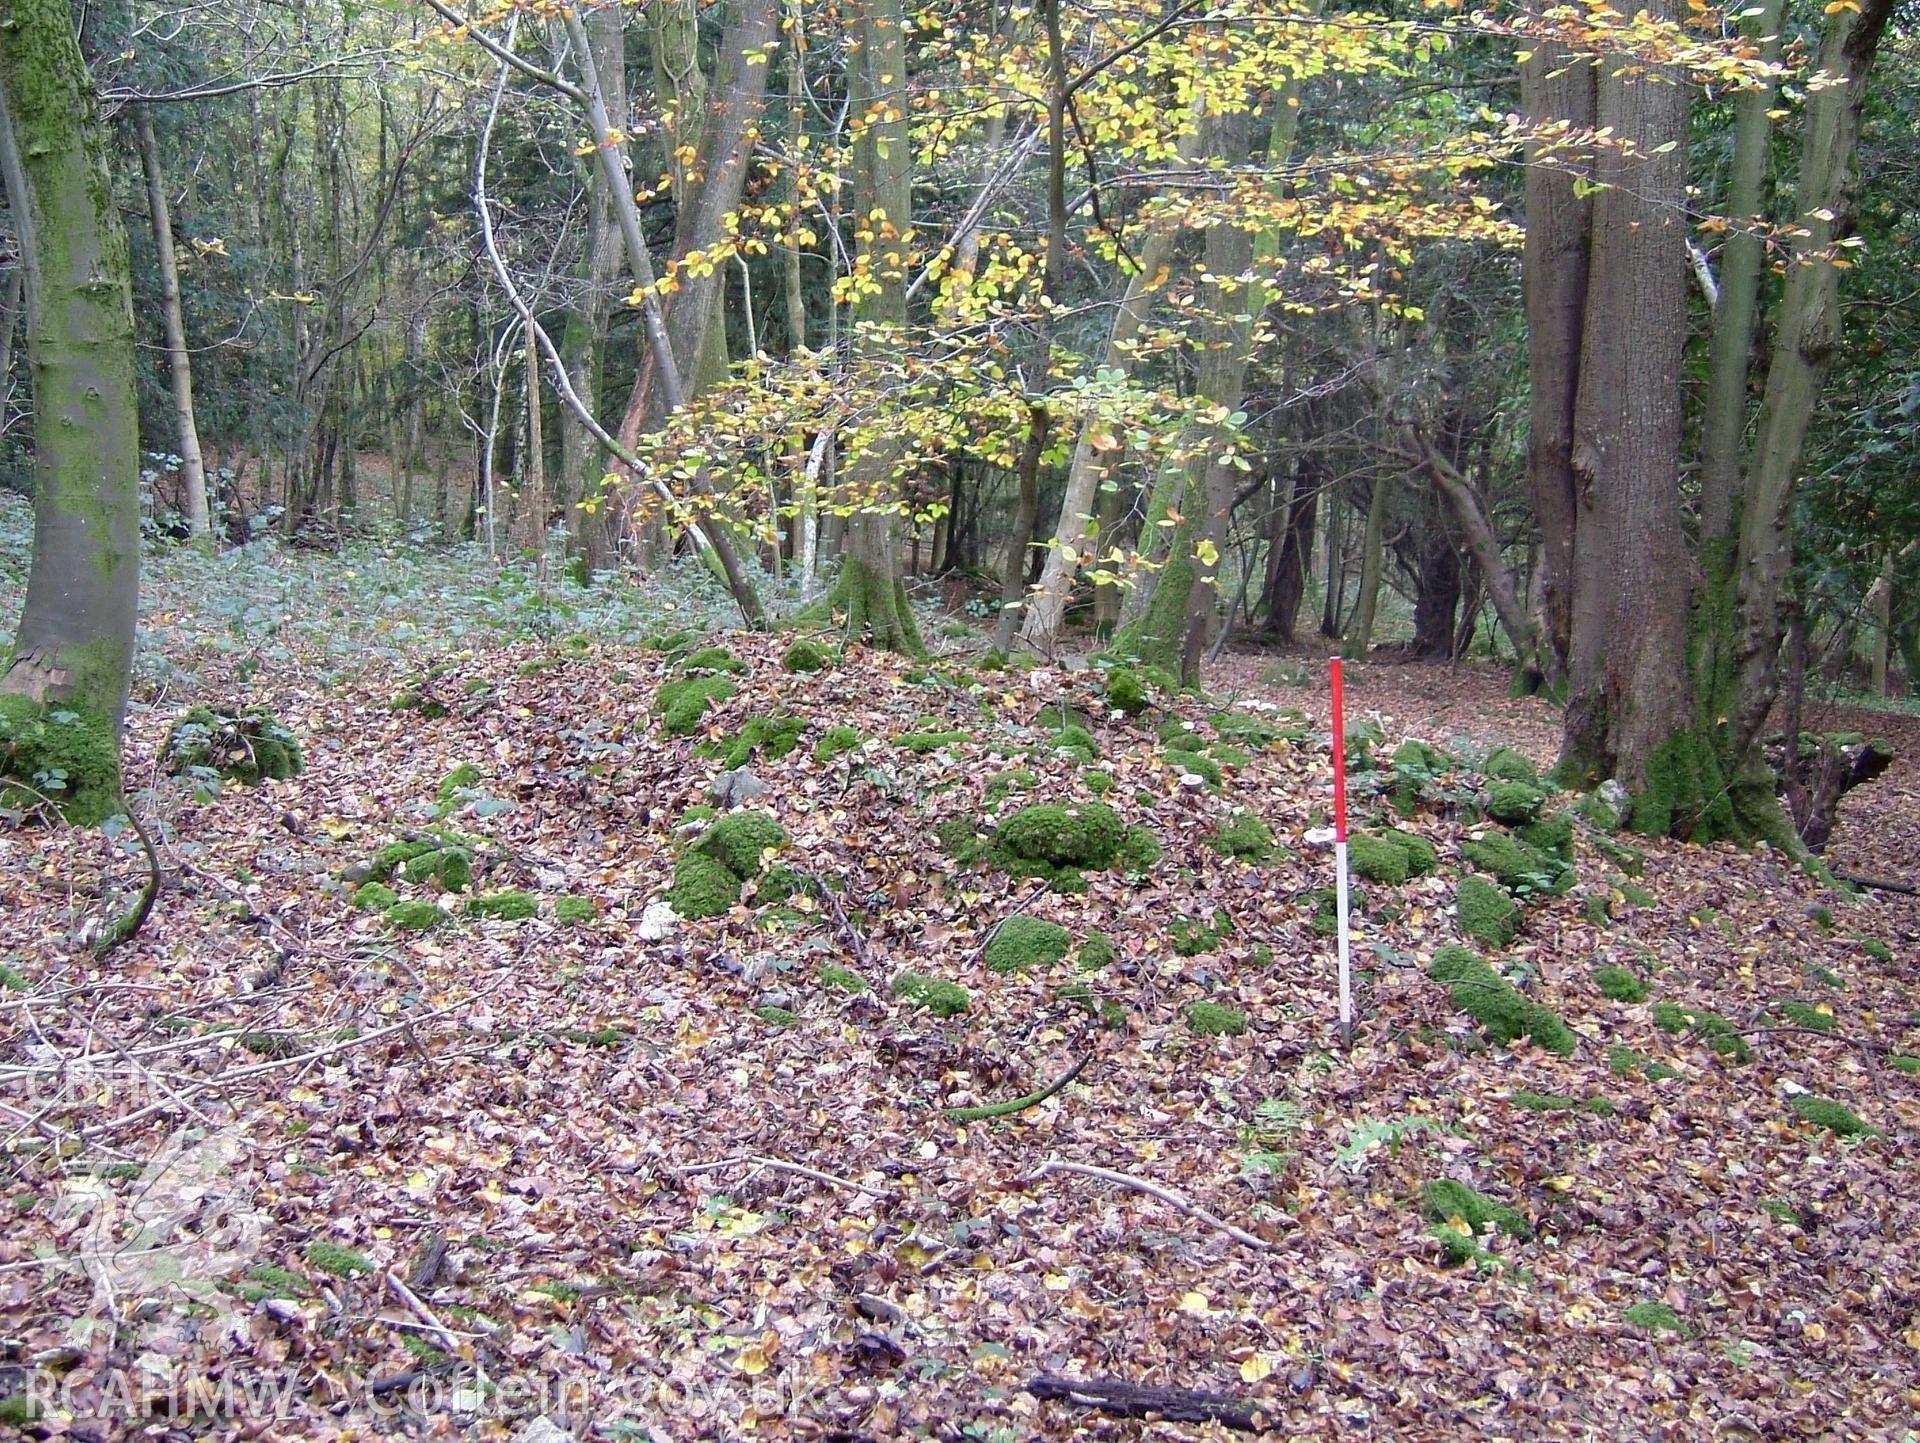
{"type": "Point", "coordinates": [74, 647]}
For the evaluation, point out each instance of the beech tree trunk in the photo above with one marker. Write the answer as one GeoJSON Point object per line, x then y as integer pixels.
{"type": "Point", "coordinates": [193, 471]}
{"type": "Point", "coordinates": [73, 653]}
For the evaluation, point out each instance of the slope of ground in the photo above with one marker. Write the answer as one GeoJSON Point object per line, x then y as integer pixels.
{"type": "Point", "coordinates": [705, 1185]}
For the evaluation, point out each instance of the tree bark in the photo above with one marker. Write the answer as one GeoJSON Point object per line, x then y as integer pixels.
{"type": "Point", "coordinates": [74, 646]}
{"type": "Point", "coordinates": [193, 471]}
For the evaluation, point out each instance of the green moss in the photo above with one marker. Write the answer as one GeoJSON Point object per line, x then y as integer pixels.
{"type": "Point", "coordinates": [960, 838]}
{"type": "Point", "coordinates": [671, 643]}
{"type": "Point", "coordinates": [1052, 836]}
{"type": "Point", "coordinates": [931, 740]}
{"type": "Point", "coordinates": [1210, 1019]}
{"type": "Point", "coordinates": [1191, 937]}
{"type": "Point", "coordinates": [804, 655]}
{"type": "Point", "coordinates": [1096, 951]}
{"type": "Point", "coordinates": [773, 737]}
{"type": "Point", "coordinates": [1627, 858]}
{"type": "Point", "coordinates": [1502, 1010]}
{"type": "Point", "coordinates": [1230, 757]}
{"type": "Point", "coordinates": [1245, 836]}
{"type": "Point", "coordinates": [64, 753]}
{"type": "Point", "coordinates": [1551, 836]}
{"type": "Point", "coordinates": [1176, 735]}
{"type": "Point", "coordinates": [1486, 913]}
{"type": "Point", "coordinates": [248, 747]}
{"type": "Point", "coordinates": [1461, 1217]}
{"type": "Point", "coordinates": [1195, 764]}
{"type": "Point", "coordinates": [839, 979]}
{"type": "Point", "coordinates": [682, 704]}
{"type": "Point", "coordinates": [943, 999]}
{"type": "Point", "coordinates": [740, 842]}
{"type": "Point", "coordinates": [698, 812]}
{"type": "Point", "coordinates": [1516, 866]}
{"type": "Point", "coordinates": [1514, 802]}
{"type": "Point", "coordinates": [1139, 850]}
{"type": "Point", "coordinates": [1619, 984]}
{"type": "Point", "coordinates": [1656, 1318]}
{"type": "Point", "coordinates": [1555, 1102]}
{"type": "Point", "coordinates": [20, 1410]}
{"type": "Point", "coordinates": [1899, 1062]}
{"type": "Point", "coordinates": [837, 741]}
{"type": "Point", "coordinates": [1128, 692]}
{"type": "Point", "coordinates": [711, 660]}
{"type": "Point", "coordinates": [1390, 857]}
{"type": "Point", "coordinates": [778, 1016]}
{"type": "Point", "coordinates": [1418, 756]}
{"type": "Point", "coordinates": [340, 1261]}
{"type": "Point", "coordinates": [1720, 1034]}
{"type": "Point", "coordinates": [14, 980]}
{"type": "Point", "coordinates": [575, 911]}
{"type": "Point", "coordinates": [1804, 1014]}
{"type": "Point", "coordinates": [1504, 764]}
{"type": "Point", "coordinates": [1780, 1211]}
{"type": "Point", "coordinates": [1635, 895]}
{"type": "Point", "coordinates": [1822, 916]}
{"type": "Point", "coordinates": [1625, 1062]}
{"type": "Point", "coordinates": [1825, 1112]}
{"type": "Point", "coordinates": [1021, 942]}
{"type": "Point", "coordinates": [438, 859]}
{"type": "Point", "coordinates": [267, 1281]}
{"type": "Point", "coordinates": [702, 887]}
{"type": "Point", "coordinates": [1097, 781]}
{"type": "Point", "coordinates": [413, 916]}
{"type": "Point", "coordinates": [374, 896]}
{"type": "Point", "coordinates": [504, 906]}
{"type": "Point", "coordinates": [1688, 793]}
{"type": "Point", "coordinates": [1076, 742]}
{"type": "Point", "coordinates": [1876, 949]}
{"type": "Point", "coordinates": [462, 778]}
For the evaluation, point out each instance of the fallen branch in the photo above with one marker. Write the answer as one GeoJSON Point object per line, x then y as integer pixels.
{"type": "Point", "coordinates": [130, 922]}
{"type": "Point", "coordinates": [1132, 1400]}
{"type": "Point", "coordinates": [1171, 1198]}
{"type": "Point", "coordinates": [1880, 884]}
{"type": "Point", "coordinates": [1018, 1104]}
{"type": "Point", "coordinates": [425, 1315]}
{"type": "Point", "coordinates": [854, 942]}
{"type": "Point", "coordinates": [775, 1164]}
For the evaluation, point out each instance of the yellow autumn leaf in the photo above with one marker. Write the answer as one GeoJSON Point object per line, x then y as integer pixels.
{"type": "Point", "coordinates": [1255, 1368]}
{"type": "Point", "coordinates": [1196, 1303]}
{"type": "Point", "coordinates": [1207, 552]}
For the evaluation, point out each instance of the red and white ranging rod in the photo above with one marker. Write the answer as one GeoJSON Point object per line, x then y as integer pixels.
{"type": "Point", "coordinates": [1340, 845]}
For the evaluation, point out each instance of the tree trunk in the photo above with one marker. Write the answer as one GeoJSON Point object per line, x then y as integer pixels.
{"type": "Point", "coordinates": [1359, 635]}
{"type": "Point", "coordinates": [1436, 595]}
{"type": "Point", "coordinates": [1555, 87]}
{"type": "Point", "coordinates": [1629, 696]}
{"type": "Point", "coordinates": [193, 471]}
{"type": "Point", "coordinates": [1290, 548]}
{"type": "Point", "coordinates": [73, 653]}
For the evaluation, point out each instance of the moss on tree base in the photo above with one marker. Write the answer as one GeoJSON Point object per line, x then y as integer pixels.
{"type": "Point", "coordinates": [872, 608]}
{"type": "Point", "coordinates": [61, 753]}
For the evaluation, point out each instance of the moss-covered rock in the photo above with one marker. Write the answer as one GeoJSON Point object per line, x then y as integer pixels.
{"type": "Point", "coordinates": [682, 704]}
{"type": "Point", "coordinates": [740, 842]}
{"type": "Point", "coordinates": [835, 742]}
{"type": "Point", "coordinates": [1051, 837]}
{"type": "Point", "coordinates": [1096, 951]}
{"type": "Point", "coordinates": [1815, 1017]}
{"type": "Point", "coordinates": [413, 916]}
{"type": "Point", "coordinates": [804, 656]}
{"type": "Point", "coordinates": [1504, 764]}
{"type": "Point", "coordinates": [1210, 1019]}
{"type": "Point", "coordinates": [442, 857]}
{"type": "Point", "coordinates": [1003, 784]}
{"type": "Point", "coordinates": [1514, 802]}
{"type": "Point", "coordinates": [777, 1016]}
{"type": "Point", "coordinates": [772, 737]}
{"type": "Point", "coordinates": [839, 979]}
{"type": "Point", "coordinates": [1625, 1062]}
{"type": "Point", "coordinates": [1551, 836]}
{"type": "Point", "coordinates": [1486, 913]}
{"type": "Point", "coordinates": [1022, 942]}
{"type": "Point", "coordinates": [1504, 1013]}
{"type": "Point", "coordinates": [1529, 1101]}
{"type": "Point", "coordinates": [1516, 866]}
{"type": "Point", "coordinates": [1825, 1112]}
{"type": "Point", "coordinates": [1619, 984]}
{"type": "Point", "coordinates": [1194, 764]}
{"type": "Point", "coordinates": [931, 739]}
{"type": "Point", "coordinates": [374, 896]}
{"type": "Point", "coordinates": [1390, 857]}
{"type": "Point", "coordinates": [248, 747]}
{"type": "Point", "coordinates": [1718, 1033]}
{"type": "Point", "coordinates": [1245, 836]}
{"type": "Point", "coordinates": [1075, 741]}
{"type": "Point", "coordinates": [702, 887]}
{"type": "Point", "coordinates": [961, 839]}
{"type": "Point", "coordinates": [1128, 692]}
{"type": "Point", "coordinates": [62, 753]}
{"type": "Point", "coordinates": [1191, 936]}
{"type": "Point", "coordinates": [504, 906]}
{"type": "Point", "coordinates": [575, 911]}
{"type": "Point", "coordinates": [341, 1262]}
{"type": "Point", "coordinates": [941, 998]}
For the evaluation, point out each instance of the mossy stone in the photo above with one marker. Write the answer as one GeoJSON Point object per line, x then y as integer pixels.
{"type": "Point", "coordinates": [711, 660]}
{"type": "Point", "coordinates": [740, 842]}
{"type": "Point", "coordinates": [1194, 764]}
{"type": "Point", "coordinates": [341, 1262]}
{"type": "Point", "coordinates": [702, 887]}
{"type": "Point", "coordinates": [1191, 937]}
{"type": "Point", "coordinates": [413, 916]}
{"type": "Point", "coordinates": [1210, 1019]}
{"type": "Point", "coordinates": [462, 778]}
{"type": "Point", "coordinates": [1390, 857]}
{"type": "Point", "coordinates": [1516, 866]}
{"type": "Point", "coordinates": [941, 998]}
{"type": "Point", "coordinates": [1717, 1031]}
{"type": "Point", "coordinates": [1552, 835]}
{"type": "Point", "coordinates": [925, 741]}
{"type": "Point", "coordinates": [1806, 1014]}
{"type": "Point", "coordinates": [778, 1016]}
{"type": "Point", "coordinates": [1619, 984]}
{"type": "Point", "coordinates": [1514, 802]}
{"type": "Point", "coordinates": [1825, 1112]}
{"type": "Point", "coordinates": [248, 746]}
{"type": "Point", "coordinates": [575, 911]}
{"type": "Point", "coordinates": [1625, 1062]}
{"type": "Point", "coordinates": [839, 979]}
{"type": "Point", "coordinates": [682, 704]}
{"type": "Point", "coordinates": [1096, 951]}
{"type": "Point", "coordinates": [1055, 835]}
{"type": "Point", "coordinates": [1460, 1217]}
{"type": "Point", "coordinates": [806, 656]}
{"type": "Point", "coordinates": [1022, 942]}
{"type": "Point", "coordinates": [773, 737]}
{"type": "Point", "coordinates": [1127, 692]}
{"type": "Point", "coordinates": [504, 906]}
{"type": "Point", "coordinates": [374, 896]}
{"type": "Point", "coordinates": [1504, 764]}
{"type": "Point", "coordinates": [1504, 1013]}
{"type": "Point", "coordinates": [1486, 913]}
{"type": "Point", "coordinates": [1245, 836]}
{"type": "Point", "coordinates": [1076, 742]}
{"type": "Point", "coordinates": [834, 742]}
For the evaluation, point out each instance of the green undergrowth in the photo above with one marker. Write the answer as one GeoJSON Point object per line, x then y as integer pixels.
{"type": "Point", "coordinates": [64, 754]}
{"type": "Point", "coordinates": [941, 998]}
{"type": "Point", "coordinates": [1192, 936]}
{"type": "Point", "coordinates": [248, 746]}
{"type": "Point", "coordinates": [1211, 1019]}
{"type": "Point", "coordinates": [1625, 1062]}
{"type": "Point", "coordinates": [1487, 914]}
{"type": "Point", "coordinates": [1463, 1219]}
{"type": "Point", "coordinates": [1833, 1116]}
{"type": "Point", "coordinates": [1390, 857]}
{"type": "Point", "coordinates": [1716, 1031]}
{"type": "Point", "coordinates": [708, 876]}
{"type": "Point", "coordinates": [1023, 942]}
{"type": "Point", "coordinates": [1619, 984]}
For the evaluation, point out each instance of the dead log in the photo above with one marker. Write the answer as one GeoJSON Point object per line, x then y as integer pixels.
{"type": "Point", "coordinates": [1132, 1400]}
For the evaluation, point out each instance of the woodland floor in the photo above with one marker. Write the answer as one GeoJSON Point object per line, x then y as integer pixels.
{"type": "Point", "coordinates": [583, 1116]}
